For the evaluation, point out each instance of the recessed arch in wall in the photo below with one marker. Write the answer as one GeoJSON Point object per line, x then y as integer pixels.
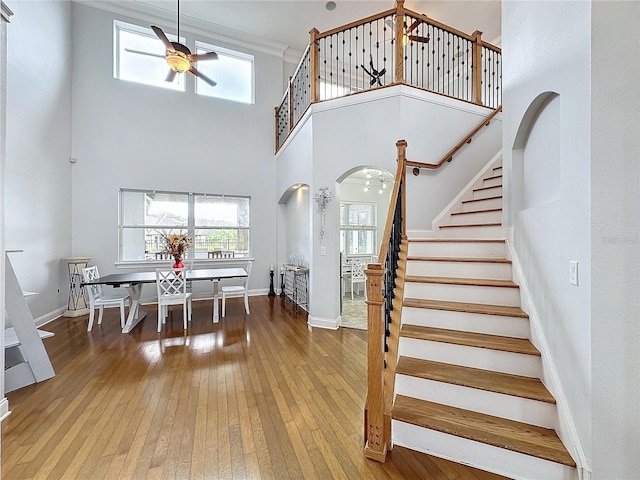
{"type": "Point", "coordinates": [536, 154]}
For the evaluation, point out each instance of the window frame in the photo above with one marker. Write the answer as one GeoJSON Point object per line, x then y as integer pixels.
{"type": "Point", "coordinates": [119, 26]}
{"type": "Point", "coordinates": [190, 228]}
{"type": "Point", "coordinates": [225, 52]}
{"type": "Point", "coordinates": [346, 228]}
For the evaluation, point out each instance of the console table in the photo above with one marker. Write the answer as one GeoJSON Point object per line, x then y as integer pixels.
{"type": "Point", "coordinates": [77, 306]}
{"type": "Point", "coordinates": [296, 281]}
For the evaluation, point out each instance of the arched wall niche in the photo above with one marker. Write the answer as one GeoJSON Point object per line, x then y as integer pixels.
{"type": "Point", "coordinates": [536, 156]}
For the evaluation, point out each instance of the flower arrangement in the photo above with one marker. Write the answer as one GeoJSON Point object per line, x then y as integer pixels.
{"type": "Point", "coordinates": [176, 244]}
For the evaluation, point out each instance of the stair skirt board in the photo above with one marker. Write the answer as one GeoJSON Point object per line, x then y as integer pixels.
{"type": "Point", "coordinates": [525, 410]}
{"type": "Point", "coordinates": [483, 358]}
{"type": "Point", "coordinates": [476, 216]}
{"type": "Point", "coordinates": [467, 322]}
{"type": "Point", "coordinates": [479, 455]}
{"type": "Point", "coordinates": [486, 295]}
{"type": "Point", "coordinates": [458, 248]}
{"type": "Point", "coordinates": [471, 231]}
{"type": "Point", "coordinates": [486, 192]}
{"type": "Point", "coordinates": [460, 269]}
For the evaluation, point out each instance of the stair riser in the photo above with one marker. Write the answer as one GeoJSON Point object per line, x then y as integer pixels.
{"type": "Point", "coordinates": [463, 293]}
{"type": "Point", "coordinates": [481, 231]}
{"type": "Point", "coordinates": [458, 249]}
{"type": "Point", "coordinates": [479, 455]}
{"type": "Point", "coordinates": [494, 271]}
{"type": "Point", "coordinates": [482, 204]}
{"type": "Point", "coordinates": [476, 217]}
{"type": "Point", "coordinates": [487, 192]}
{"type": "Point", "coordinates": [519, 409]}
{"type": "Point", "coordinates": [467, 322]}
{"type": "Point", "coordinates": [483, 358]}
{"type": "Point", "coordinates": [492, 182]}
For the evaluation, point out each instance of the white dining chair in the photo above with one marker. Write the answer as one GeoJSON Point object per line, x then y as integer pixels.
{"type": "Point", "coordinates": [358, 276]}
{"type": "Point", "coordinates": [237, 290]}
{"type": "Point", "coordinates": [171, 286]}
{"type": "Point", "coordinates": [98, 299]}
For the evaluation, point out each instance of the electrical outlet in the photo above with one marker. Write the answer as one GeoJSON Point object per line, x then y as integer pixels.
{"type": "Point", "coordinates": [573, 272]}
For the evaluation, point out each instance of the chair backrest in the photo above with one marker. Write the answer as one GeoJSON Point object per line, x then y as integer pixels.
{"type": "Point", "coordinates": [90, 274]}
{"type": "Point", "coordinates": [222, 254]}
{"type": "Point", "coordinates": [357, 268]}
{"type": "Point", "coordinates": [171, 282]}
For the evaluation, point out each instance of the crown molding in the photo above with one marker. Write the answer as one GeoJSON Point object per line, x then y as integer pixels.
{"type": "Point", "coordinates": [5, 12]}
{"type": "Point", "coordinates": [195, 26]}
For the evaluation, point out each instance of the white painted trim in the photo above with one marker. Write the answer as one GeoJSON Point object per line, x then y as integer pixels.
{"type": "Point", "coordinates": [5, 12]}
{"type": "Point", "coordinates": [567, 429]}
{"type": "Point", "coordinates": [458, 198]}
{"type": "Point", "coordinates": [319, 322]}
{"type": "Point", "coordinates": [4, 409]}
{"type": "Point", "coordinates": [50, 317]}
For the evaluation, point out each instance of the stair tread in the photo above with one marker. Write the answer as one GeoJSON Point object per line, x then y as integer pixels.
{"type": "Point", "coordinates": [457, 240]}
{"type": "Point", "coordinates": [479, 189]}
{"type": "Point", "coordinates": [470, 339]}
{"type": "Point", "coordinates": [492, 224]}
{"type": "Point", "coordinates": [496, 197]}
{"type": "Point", "coordinates": [498, 382]}
{"type": "Point", "coordinates": [477, 211]}
{"type": "Point", "coordinates": [459, 259]}
{"type": "Point", "coordinates": [502, 310]}
{"type": "Point", "coordinates": [515, 436]}
{"type": "Point", "coordinates": [482, 282]}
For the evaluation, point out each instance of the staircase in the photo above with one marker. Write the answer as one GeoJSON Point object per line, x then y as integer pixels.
{"type": "Point", "coordinates": [468, 382]}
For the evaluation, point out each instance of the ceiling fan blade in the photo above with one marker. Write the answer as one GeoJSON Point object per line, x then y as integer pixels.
{"type": "Point", "coordinates": [143, 53]}
{"type": "Point", "coordinates": [382, 72]}
{"type": "Point", "coordinates": [160, 34]}
{"type": "Point", "coordinates": [413, 26]}
{"type": "Point", "coordinates": [203, 77]}
{"type": "Point", "coordinates": [417, 38]}
{"type": "Point", "coordinates": [203, 56]}
{"type": "Point", "coordinates": [171, 76]}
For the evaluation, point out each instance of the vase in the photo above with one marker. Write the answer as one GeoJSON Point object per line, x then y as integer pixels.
{"type": "Point", "coordinates": [178, 263]}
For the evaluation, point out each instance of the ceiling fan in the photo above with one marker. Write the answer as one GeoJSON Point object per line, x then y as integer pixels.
{"type": "Point", "coordinates": [178, 56]}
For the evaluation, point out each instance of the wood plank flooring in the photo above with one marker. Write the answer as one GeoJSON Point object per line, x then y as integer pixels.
{"type": "Point", "coordinates": [258, 396]}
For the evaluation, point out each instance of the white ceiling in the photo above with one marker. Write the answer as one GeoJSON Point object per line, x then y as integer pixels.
{"type": "Point", "coordinates": [288, 22]}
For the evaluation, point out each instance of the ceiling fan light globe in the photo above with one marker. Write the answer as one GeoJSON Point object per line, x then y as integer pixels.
{"type": "Point", "coordinates": [178, 62]}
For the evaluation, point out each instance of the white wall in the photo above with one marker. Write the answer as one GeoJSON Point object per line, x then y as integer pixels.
{"type": "Point", "coordinates": [586, 139]}
{"type": "Point", "coordinates": [350, 133]}
{"type": "Point", "coordinates": [127, 135]}
{"type": "Point", "coordinates": [298, 226]}
{"type": "Point", "coordinates": [615, 239]}
{"type": "Point", "coordinates": [38, 179]}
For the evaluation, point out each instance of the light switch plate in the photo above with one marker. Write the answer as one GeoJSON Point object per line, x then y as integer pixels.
{"type": "Point", "coordinates": [323, 250]}
{"type": "Point", "coordinates": [573, 272]}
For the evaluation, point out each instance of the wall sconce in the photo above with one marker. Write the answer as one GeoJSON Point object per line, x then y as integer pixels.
{"type": "Point", "coordinates": [322, 199]}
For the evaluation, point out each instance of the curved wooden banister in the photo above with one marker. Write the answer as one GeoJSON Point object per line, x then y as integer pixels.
{"type": "Point", "coordinates": [467, 139]}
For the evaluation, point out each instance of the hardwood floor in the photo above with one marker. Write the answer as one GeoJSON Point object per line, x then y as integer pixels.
{"type": "Point", "coordinates": [255, 396]}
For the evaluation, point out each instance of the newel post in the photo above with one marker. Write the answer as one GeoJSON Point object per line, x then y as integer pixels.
{"type": "Point", "coordinates": [313, 52]}
{"type": "Point", "coordinates": [477, 67]}
{"type": "Point", "coordinates": [375, 428]}
{"type": "Point", "coordinates": [399, 43]}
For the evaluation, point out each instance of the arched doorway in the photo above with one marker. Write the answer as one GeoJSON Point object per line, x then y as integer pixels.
{"type": "Point", "coordinates": [365, 193]}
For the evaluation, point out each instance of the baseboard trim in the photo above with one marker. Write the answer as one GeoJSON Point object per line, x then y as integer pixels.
{"type": "Point", "coordinates": [4, 409]}
{"type": "Point", "coordinates": [567, 430]}
{"type": "Point", "coordinates": [319, 322]}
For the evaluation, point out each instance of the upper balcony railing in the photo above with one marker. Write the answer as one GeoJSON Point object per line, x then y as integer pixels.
{"type": "Point", "coordinates": [393, 47]}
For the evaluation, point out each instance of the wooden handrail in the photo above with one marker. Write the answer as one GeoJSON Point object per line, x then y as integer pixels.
{"type": "Point", "coordinates": [461, 143]}
{"type": "Point", "coordinates": [401, 169]}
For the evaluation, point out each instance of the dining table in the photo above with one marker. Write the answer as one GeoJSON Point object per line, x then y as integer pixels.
{"type": "Point", "coordinates": [134, 281]}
